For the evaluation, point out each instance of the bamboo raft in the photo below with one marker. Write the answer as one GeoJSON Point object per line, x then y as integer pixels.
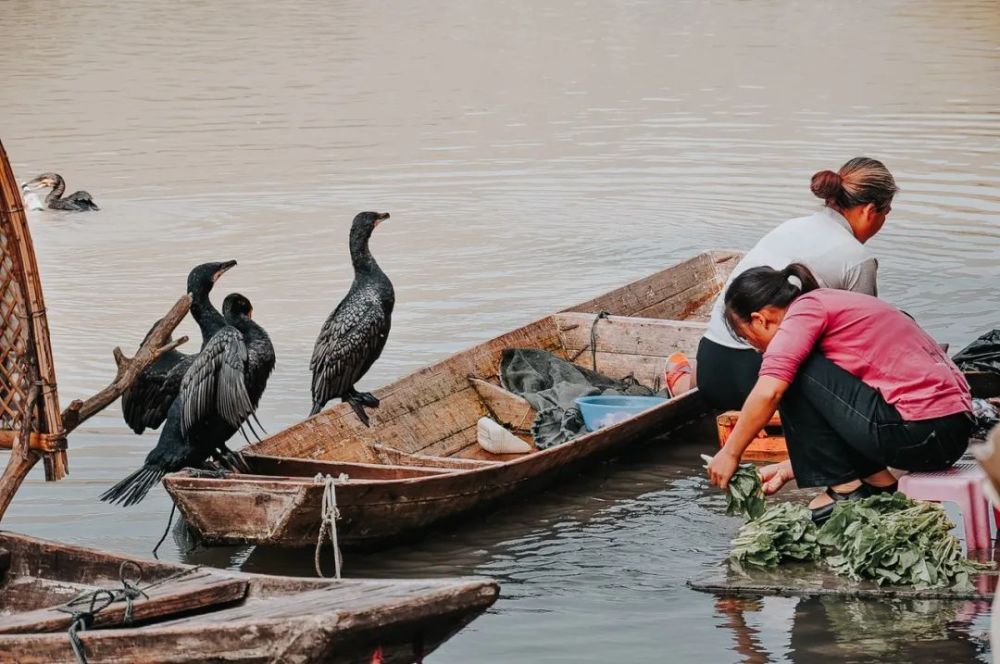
{"type": "Point", "coordinates": [419, 464]}
{"type": "Point", "coordinates": [124, 609]}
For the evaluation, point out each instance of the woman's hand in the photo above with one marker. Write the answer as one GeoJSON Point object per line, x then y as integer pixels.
{"type": "Point", "coordinates": [775, 476]}
{"type": "Point", "coordinates": [721, 468]}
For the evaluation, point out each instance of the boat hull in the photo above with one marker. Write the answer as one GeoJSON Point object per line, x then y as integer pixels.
{"type": "Point", "coordinates": [279, 619]}
{"type": "Point", "coordinates": [288, 512]}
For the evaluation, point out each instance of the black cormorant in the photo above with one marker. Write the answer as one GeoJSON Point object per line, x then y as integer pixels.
{"type": "Point", "coordinates": [354, 335]}
{"type": "Point", "coordinates": [219, 394]}
{"type": "Point", "coordinates": [146, 401]}
{"type": "Point", "coordinates": [76, 202]}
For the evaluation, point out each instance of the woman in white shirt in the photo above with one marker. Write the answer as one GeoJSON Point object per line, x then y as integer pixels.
{"type": "Point", "coordinates": [829, 242]}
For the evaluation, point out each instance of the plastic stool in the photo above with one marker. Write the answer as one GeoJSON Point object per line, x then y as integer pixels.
{"type": "Point", "coordinates": [961, 484]}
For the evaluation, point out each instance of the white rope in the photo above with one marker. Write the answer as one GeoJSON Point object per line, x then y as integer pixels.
{"type": "Point", "coordinates": [329, 515]}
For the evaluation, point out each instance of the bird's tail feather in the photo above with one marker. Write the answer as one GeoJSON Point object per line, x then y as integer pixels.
{"type": "Point", "coordinates": [134, 488]}
{"type": "Point", "coordinates": [254, 416]}
{"type": "Point", "coordinates": [317, 406]}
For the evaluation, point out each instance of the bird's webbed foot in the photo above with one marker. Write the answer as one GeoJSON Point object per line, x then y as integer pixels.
{"type": "Point", "coordinates": [368, 399]}
{"type": "Point", "coordinates": [232, 461]}
{"type": "Point", "coordinates": [210, 471]}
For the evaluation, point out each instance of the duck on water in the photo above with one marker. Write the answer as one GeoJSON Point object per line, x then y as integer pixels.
{"type": "Point", "coordinates": [146, 402]}
{"type": "Point", "coordinates": [353, 336]}
{"type": "Point", "coordinates": [219, 393]}
{"type": "Point", "coordinates": [79, 201]}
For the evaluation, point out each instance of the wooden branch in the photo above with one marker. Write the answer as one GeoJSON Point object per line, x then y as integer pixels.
{"type": "Point", "coordinates": [22, 458]}
{"type": "Point", "coordinates": [129, 368]}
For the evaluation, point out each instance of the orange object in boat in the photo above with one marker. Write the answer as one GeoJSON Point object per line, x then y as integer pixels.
{"type": "Point", "coordinates": [770, 442]}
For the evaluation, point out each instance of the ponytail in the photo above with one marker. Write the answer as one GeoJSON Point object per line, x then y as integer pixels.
{"type": "Point", "coordinates": [762, 287]}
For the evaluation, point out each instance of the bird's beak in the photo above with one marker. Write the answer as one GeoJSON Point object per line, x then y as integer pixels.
{"type": "Point", "coordinates": [379, 218]}
{"type": "Point", "coordinates": [222, 270]}
{"type": "Point", "coordinates": [24, 188]}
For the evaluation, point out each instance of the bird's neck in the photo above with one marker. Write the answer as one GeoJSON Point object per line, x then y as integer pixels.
{"type": "Point", "coordinates": [57, 190]}
{"type": "Point", "coordinates": [207, 316]}
{"type": "Point", "coordinates": [362, 259]}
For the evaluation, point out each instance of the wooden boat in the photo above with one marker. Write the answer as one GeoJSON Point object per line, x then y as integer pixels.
{"type": "Point", "coordinates": [171, 613]}
{"type": "Point", "coordinates": [197, 614]}
{"type": "Point", "coordinates": [419, 464]}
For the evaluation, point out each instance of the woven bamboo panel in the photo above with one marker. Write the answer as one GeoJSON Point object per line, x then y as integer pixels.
{"type": "Point", "coordinates": [13, 340]}
{"type": "Point", "coordinates": [25, 350]}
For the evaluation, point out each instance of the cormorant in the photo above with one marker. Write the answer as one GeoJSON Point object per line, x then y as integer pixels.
{"type": "Point", "coordinates": [354, 335]}
{"type": "Point", "coordinates": [219, 394]}
{"type": "Point", "coordinates": [76, 202]}
{"type": "Point", "coordinates": [146, 401]}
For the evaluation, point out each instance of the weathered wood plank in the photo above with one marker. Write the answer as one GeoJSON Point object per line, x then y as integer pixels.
{"type": "Point", "coordinates": [197, 592]}
{"type": "Point", "coordinates": [629, 336]}
{"type": "Point", "coordinates": [394, 456]}
{"type": "Point", "coordinates": [505, 407]}
{"type": "Point", "coordinates": [655, 291]}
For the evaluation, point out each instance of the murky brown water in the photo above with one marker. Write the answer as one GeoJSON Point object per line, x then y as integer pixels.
{"type": "Point", "coordinates": [530, 156]}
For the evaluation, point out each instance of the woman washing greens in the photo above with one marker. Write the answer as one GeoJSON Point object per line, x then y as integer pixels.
{"type": "Point", "coordinates": [859, 385]}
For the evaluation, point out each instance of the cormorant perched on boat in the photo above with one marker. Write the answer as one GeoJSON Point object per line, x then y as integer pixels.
{"type": "Point", "coordinates": [146, 401]}
{"type": "Point", "coordinates": [76, 202]}
{"type": "Point", "coordinates": [354, 335]}
{"type": "Point", "coordinates": [219, 394]}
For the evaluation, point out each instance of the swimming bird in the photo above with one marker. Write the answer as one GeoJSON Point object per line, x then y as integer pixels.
{"type": "Point", "coordinates": [353, 336]}
{"type": "Point", "coordinates": [79, 201]}
{"type": "Point", "coordinates": [219, 394]}
{"type": "Point", "coordinates": [146, 402]}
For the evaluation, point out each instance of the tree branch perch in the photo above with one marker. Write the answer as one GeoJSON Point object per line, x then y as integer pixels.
{"type": "Point", "coordinates": [129, 368]}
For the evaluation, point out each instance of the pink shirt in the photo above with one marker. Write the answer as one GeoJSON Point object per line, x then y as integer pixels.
{"type": "Point", "coordinates": [875, 342]}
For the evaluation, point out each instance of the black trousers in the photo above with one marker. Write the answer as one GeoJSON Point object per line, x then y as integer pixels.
{"type": "Point", "coordinates": [839, 429]}
{"type": "Point", "coordinates": [726, 375]}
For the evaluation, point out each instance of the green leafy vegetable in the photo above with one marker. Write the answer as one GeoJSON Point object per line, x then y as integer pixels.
{"type": "Point", "coordinates": [785, 531]}
{"type": "Point", "coordinates": [888, 538]}
{"type": "Point", "coordinates": [745, 494]}
{"type": "Point", "coordinates": [892, 539]}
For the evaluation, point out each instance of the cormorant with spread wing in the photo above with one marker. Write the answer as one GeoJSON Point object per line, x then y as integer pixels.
{"type": "Point", "coordinates": [218, 395]}
{"type": "Point", "coordinates": [354, 335]}
{"type": "Point", "coordinates": [146, 402]}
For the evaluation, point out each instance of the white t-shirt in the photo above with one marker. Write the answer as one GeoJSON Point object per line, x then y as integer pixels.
{"type": "Point", "coordinates": [823, 242]}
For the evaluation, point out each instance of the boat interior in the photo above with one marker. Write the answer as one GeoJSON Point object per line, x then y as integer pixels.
{"type": "Point", "coordinates": [426, 423]}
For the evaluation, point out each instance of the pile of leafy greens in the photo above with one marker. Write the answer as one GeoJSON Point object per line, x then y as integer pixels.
{"type": "Point", "coordinates": [782, 532]}
{"type": "Point", "coordinates": [892, 539]}
{"type": "Point", "coordinates": [887, 538]}
{"type": "Point", "coordinates": [745, 493]}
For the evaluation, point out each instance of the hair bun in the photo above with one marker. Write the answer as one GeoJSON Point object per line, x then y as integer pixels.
{"type": "Point", "coordinates": [826, 184]}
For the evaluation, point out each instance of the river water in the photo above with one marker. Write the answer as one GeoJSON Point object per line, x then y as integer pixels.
{"type": "Point", "coordinates": [531, 155]}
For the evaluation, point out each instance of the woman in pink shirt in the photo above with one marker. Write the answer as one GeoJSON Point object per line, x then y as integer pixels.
{"type": "Point", "coordinates": [859, 385]}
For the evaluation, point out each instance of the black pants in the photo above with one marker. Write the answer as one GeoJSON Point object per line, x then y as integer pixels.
{"type": "Point", "coordinates": [726, 375]}
{"type": "Point", "coordinates": [839, 429]}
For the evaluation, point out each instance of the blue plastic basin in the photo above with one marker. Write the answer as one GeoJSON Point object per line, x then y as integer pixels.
{"type": "Point", "coordinates": [602, 411]}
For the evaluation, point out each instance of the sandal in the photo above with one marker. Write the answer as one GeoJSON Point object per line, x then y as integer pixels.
{"type": "Point", "coordinates": [821, 514]}
{"type": "Point", "coordinates": [676, 367]}
{"type": "Point", "coordinates": [876, 490]}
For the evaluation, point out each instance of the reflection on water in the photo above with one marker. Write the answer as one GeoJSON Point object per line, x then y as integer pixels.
{"type": "Point", "coordinates": [530, 156]}
{"type": "Point", "coordinates": [829, 629]}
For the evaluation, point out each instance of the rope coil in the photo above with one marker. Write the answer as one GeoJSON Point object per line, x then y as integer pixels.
{"type": "Point", "coordinates": [82, 620]}
{"type": "Point", "coordinates": [328, 523]}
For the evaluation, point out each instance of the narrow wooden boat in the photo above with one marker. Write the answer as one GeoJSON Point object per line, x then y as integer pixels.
{"type": "Point", "coordinates": [420, 464]}
{"type": "Point", "coordinates": [197, 614]}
